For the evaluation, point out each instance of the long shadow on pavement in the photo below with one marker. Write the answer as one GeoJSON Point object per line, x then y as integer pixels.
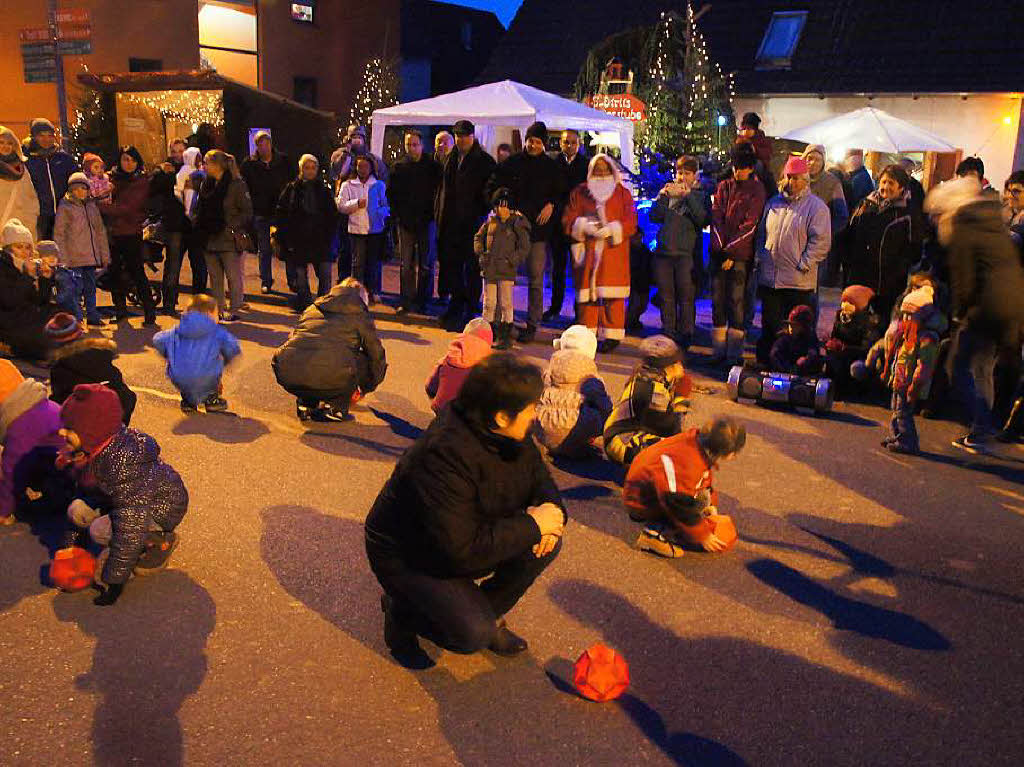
{"type": "Point", "coordinates": [149, 657]}
{"type": "Point", "coordinates": [227, 428]}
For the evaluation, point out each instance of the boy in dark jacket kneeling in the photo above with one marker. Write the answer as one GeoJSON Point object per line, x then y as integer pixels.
{"type": "Point", "coordinates": [196, 353]}
{"type": "Point", "coordinates": [144, 498]}
{"type": "Point", "coordinates": [333, 356]}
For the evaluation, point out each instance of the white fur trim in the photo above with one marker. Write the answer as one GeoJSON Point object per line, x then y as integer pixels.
{"type": "Point", "coordinates": [616, 228]}
{"type": "Point", "coordinates": [579, 252]}
{"type": "Point", "coordinates": [670, 472]}
{"type": "Point", "coordinates": [578, 231]}
{"type": "Point", "coordinates": [612, 291]}
{"type": "Point", "coordinates": [612, 334]}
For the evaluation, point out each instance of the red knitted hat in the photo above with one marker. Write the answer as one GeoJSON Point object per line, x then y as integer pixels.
{"type": "Point", "coordinates": [858, 295]}
{"type": "Point", "coordinates": [93, 412]}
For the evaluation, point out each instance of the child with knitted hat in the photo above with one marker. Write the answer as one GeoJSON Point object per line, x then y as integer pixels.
{"type": "Point", "coordinates": [82, 239]}
{"type": "Point", "coordinates": [911, 348]}
{"type": "Point", "coordinates": [196, 352]}
{"type": "Point", "coordinates": [21, 315]}
{"type": "Point", "coordinates": [143, 497]}
{"type": "Point", "coordinates": [463, 353]}
{"type": "Point", "coordinates": [29, 423]}
{"type": "Point", "coordinates": [100, 187]}
{"type": "Point", "coordinates": [574, 404]}
{"type": "Point", "coordinates": [653, 404]}
{"type": "Point", "coordinates": [670, 488]}
{"type": "Point", "coordinates": [77, 360]}
{"type": "Point", "coordinates": [796, 349]}
{"type": "Point", "coordinates": [855, 330]}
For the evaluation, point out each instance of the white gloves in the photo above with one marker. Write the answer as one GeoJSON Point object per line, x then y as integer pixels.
{"type": "Point", "coordinates": [81, 513]}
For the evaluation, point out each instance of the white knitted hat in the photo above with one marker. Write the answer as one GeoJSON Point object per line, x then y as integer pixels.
{"type": "Point", "coordinates": [13, 232]}
{"type": "Point", "coordinates": [578, 337]}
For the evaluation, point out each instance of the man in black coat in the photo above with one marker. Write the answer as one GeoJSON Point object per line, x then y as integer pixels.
{"type": "Point", "coordinates": [461, 204]}
{"type": "Point", "coordinates": [414, 182]}
{"type": "Point", "coordinates": [538, 186]}
{"type": "Point", "coordinates": [266, 172]}
{"type": "Point", "coordinates": [573, 164]}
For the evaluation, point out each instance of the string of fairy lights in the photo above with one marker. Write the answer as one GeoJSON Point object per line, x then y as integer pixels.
{"type": "Point", "coordinates": [190, 107]}
{"type": "Point", "coordinates": [379, 90]}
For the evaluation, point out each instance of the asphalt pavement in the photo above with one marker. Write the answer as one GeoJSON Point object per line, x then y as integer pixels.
{"type": "Point", "coordinates": [871, 613]}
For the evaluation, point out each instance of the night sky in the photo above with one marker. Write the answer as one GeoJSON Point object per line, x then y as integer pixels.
{"type": "Point", "coordinates": [505, 10]}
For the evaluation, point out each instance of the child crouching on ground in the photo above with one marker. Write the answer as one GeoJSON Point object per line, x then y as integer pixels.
{"type": "Point", "coordinates": [575, 404]}
{"type": "Point", "coordinates": [502, 244]}
{"type": "Point", "coordinates": [78, 360]}
{"type": "Point", "coordinates": [82, 240]}
{"type": "Point", "coordinates": [670, 488]}
{"type": "Point", "coordinates": [463, 353]}
{"type": "Point", "coordinates": [855, 330]}
{"type": "Point", "coordinates": [333, 354]}
{"type": "Point", "coordinates": [796, 350]}
{"type": "Point", "coordinates": [143, 497]}
{"type": "Point", "coordinates": [911, 348]}
{"type": "Point", "coordinates": [653, 404]}
{"type": "Point", "coordinates": [196, 352]}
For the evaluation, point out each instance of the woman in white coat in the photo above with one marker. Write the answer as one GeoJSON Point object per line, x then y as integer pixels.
{"type": "Point", "coordinates": [17, 194]}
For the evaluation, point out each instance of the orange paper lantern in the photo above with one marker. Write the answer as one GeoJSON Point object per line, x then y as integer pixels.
{"type": "Point", "coordinates": [725, 529]}
{"type": "Point", "coordinates": [600, 673]}
{"type": "Point", "coordinates": [356, 396]}
{"type": "Point", "coordinates": [72, 569]}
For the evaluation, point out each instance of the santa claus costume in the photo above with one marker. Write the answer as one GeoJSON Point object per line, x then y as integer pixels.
{"type": "Point", "coordinates": [600, 219]}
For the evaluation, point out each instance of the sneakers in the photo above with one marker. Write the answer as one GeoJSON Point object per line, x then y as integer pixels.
{"type": "Point", "coordinates": [654, 541]}
{"type": "Point", "coordinates": [215, 404]}
{"type": "Point", "coordinates": [971, 444]}
{"type": "Point", "coordinates": [227, 318]}
{"type": "Point", "coordinates": [506, 642]}
{"type": "Point", "coordinates": [329, 413]}
{"type": "Point", "coordinates": [266, 289]}
{"type": "Point", "coordinates": [304, 412]}
{"type": "Point", "coordinates": [896, 446]}
{"type": "Point", "coordinates": [187, 407]}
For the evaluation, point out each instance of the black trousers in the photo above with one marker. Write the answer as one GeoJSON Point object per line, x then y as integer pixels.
{"type": "Point", "coordinates": [776, 304]}
{"type": "Point", "coordinates": [639, 283]}
{"type": "Point", "coordinates": [417, 275]}
{"type": "Point", "coordinates": [460, 268]}
{"type": "Point", "coordinates": [559, 271]}
{"type": "Point", "coordinates": [126, 268]}
{"type": "Point", "coordinates": [453, 613]}
{"type": "Point", "coordinates": [729, 295]}
{"type": "Point", "coordinates": [674, 278]}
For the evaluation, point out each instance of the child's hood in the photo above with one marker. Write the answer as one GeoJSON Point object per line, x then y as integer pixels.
{"type": "Point", "coordinates": [467, 350]}
{"type": "Point", "coordinates": [26, 396]}
{"type": "Point", "coordinates": [196, 325]}
{"type": "Point", "coordinates": [568, 367]}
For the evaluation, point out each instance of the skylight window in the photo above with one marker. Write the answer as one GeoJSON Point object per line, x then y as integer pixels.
{"type": "Point", "coordinates": [780, 40]}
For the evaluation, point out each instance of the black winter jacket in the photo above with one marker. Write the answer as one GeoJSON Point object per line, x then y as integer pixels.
{"type": "Point", "coordinates": [21, 316]}
{"type": "Point", "coordinates": [411, 191]}
{"type": "Point", "coordinates": [266, 181]}
{"type": "Point", "coordinates": [985, 272]}
{"type": "Point", "coordinates": [455, 504]}
{"type": "Point", "coordinates": [333, 349]}
{"type": "Point", "coordinates": [682, 219]}
{"type": "Point", "coordinates": [89, 360]}
{"type": "Point", "coordinates": [535, 181]}
{"type": "Point", "coordinates": [164, 204]}
{"type": "Point", "coordinates": [574, 173]}
{"type": "Point", "coordinates": [303, 232]}
{"type": "Point", "coordinates": [462, 197]}
{"type": "Point", "coordinates": [141, 493]}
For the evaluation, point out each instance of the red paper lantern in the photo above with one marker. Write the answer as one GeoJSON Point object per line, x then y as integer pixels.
{"type": "Point", "coordinates": [601, 674]}
{"type": "Point", "coordinates": [356, 396]}
{"type": "Point", "coordinates": [725, 529]}
{"type": "Point", "coordinates": [72, 569]}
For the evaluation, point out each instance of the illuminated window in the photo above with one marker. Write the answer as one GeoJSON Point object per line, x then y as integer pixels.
{"type": "Point", "coordinates": [302, 12]}
{"type": "Point", "coordinates": [780, 40]}
{"type": "Point", "coordinates": [227, 39]}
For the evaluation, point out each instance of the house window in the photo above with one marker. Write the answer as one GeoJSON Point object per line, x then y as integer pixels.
{"type": "Point", "coordinates": [227, 39]}
{"type": "Point", "coordinates": [467, 35]}
{"type": "Point", "coordinates": [145, 65]}
{"type": "Point", "coordinates": [303, 12]}
{"type": "Point", "coordinates": [780, 40]}
{"type": "Point", "coordinates": [304, 91]}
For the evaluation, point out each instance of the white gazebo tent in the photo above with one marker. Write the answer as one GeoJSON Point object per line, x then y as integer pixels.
{"type": "Point", "coordinates": [872, 130]}
{"type": "Point", "coordinates": [505, 105]}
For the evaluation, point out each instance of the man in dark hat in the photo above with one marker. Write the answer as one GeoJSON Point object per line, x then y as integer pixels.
{"type": "Point", "coordinates": [461, 204]}
{"type": "Point", "coordinates": [49, 167]}
{"type": "Point", "coordinates": [537, 185]}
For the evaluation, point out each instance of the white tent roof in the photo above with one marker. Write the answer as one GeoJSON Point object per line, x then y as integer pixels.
{"type": "Point", "coordinates": [870, 129]}
{"type": "Point", "coordinates": [503, 104]}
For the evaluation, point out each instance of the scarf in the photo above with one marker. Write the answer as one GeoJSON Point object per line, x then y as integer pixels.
{"type": "Point", "coordinates": [210, 216]}
{"type": "Point", "coordinates": [11, 168]}
{"type": "Point", "coordinates": [32, 149]}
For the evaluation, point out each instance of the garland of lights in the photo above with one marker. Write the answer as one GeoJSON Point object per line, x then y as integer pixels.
{"type": "Point", "coordinates": [190, 107]}
{"type": "Point", "coordinates": [379, 90]}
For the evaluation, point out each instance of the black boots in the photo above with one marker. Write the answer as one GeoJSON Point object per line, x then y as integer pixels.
{"type": "Point", "coordinates": [527, 334]}
{"type": "Point", "coordinates": [502, 336]}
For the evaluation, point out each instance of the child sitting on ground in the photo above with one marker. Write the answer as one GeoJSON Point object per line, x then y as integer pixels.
{"type": "Point", "coordinates": [653, 404]}
{"type": "Point", "coordinates": [911, 348]}
{"type": "Point", "coordinates": [502, 244]}
{"type": "Point", "coordinates": [854, 332]}
{"type": "Point", "coordinates": [574, 406]}
{"type": "Point", "coordinates": [82, 240]}
{"type": "Point", "coordinates": [196, 353]}
{"type": "Point", "coordinates": [21, 313]}
{"type": "Point", "coordinates": [100, 187]}
{"type": "Point", "coordinates": [78, 360]}
{"type": "Point", "coordinates": [796, 350]}
{"type": "Point", "coordinates": [670, 488]}
{"type": "Point", "coordinates": [143, 497]}
{"type": "Point", "coordinates": [332, 355]}
{"type": "Point", "coordinates": [463, 353]}
{"type": "Point", "coordinates": [29, 423]}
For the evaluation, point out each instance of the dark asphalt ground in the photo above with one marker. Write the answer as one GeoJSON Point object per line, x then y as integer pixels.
{"type": "Point", "coordinates": [871, 613]}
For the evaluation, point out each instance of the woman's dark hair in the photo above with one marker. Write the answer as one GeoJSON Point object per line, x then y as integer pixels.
{"type": "Point", "coordinates": [501, 382]}
{"type": "Point", "coordinates": [1017, 177]}
{"type": "Point", "coordinates": [132, 152]}
{"type": "Point", "coordinates": [687, 163]}
{"type": "Point", "coordinates": [743, 155]}
{"type": "Point", "coordinates": [971, 165]}
{"type": "Point", "coordinates": [363, 158]}
{"type": "Point", "coordinates": [897, 173]}
{"type": "Point", "coordinates": [722, 437]}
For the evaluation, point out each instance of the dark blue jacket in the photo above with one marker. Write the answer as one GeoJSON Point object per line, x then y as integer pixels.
{"type": "Point", "coordinates": [196, 351]}
{"type": "Point", "coordinates": [50, 174]}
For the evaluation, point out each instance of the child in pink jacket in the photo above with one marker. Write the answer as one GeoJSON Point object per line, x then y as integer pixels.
{"type": "Point", "coordinates": [451, 370]}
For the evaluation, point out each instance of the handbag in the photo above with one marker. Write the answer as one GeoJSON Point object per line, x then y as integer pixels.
{"type": "Point", "coordinates": [243, 241]}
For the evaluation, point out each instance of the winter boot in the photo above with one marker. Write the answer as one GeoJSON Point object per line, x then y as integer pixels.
{"type": "Point", "coordinates": [215, 404]}
{"type": "Point", "coordinates": [718, 344]}
{"type": "Point", "coordinates": [505, 641]}
{"type": "Point", "coordinates": [504, 342]}
{"type": "Point", "coordinates": [159, 547]}
{"type": "Point", "coordinates": [734, 346]}
{"type": "Point", "coordinates": [655, 541]}
{"type": "Point", "coordinates": [527, 334]}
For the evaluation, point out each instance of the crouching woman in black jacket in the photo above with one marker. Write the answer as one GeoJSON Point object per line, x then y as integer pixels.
{"type": "Point", "coordinates": [471, 498]}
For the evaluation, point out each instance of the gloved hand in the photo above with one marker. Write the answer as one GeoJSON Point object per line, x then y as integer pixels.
{"type": "Point", "coordinates": [591, 228]}
{"type": "Point", "coordinates": [81, 513]}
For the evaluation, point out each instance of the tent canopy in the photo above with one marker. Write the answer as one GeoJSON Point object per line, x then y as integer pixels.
{"type": "Point", "coordinates": [872, 130]}
{"type": "Point", "coordinates": [505, 104]}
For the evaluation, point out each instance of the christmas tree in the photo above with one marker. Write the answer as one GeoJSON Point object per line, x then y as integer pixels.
{"type": "Point", "coordinates": [379, 90]}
